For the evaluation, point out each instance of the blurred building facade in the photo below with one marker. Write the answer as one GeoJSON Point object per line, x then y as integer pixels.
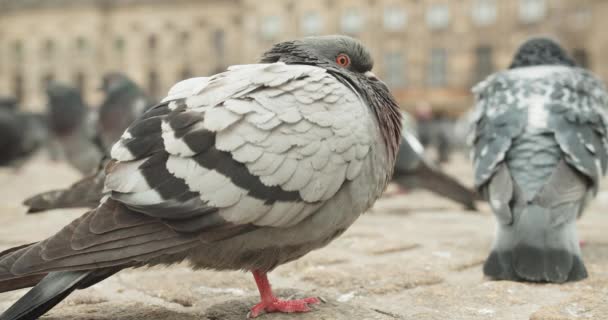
{"type": "Point", "coordinates": [428, 51]}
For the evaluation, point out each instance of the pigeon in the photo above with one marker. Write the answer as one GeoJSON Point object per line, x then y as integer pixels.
{"type": "Point", "coordinates": [71, 124]}
{"type": "Point", "coordinates": [21, 133]}
{"type": "Point", "coordinates": [8, 103]}
{"type": "Point", "coordinates": [11, 137]}
{"type": "Point", "coordinates": [244, 170]}
{"type": "Point", "coordinates": [539, 150]}
{"type": "Point", "coordinates": [414, 170]}
{"type": "Point", "coordinates": [124, 102]}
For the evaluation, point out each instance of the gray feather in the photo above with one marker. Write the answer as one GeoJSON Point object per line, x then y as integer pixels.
{"type": "Point", "coordinates": [539, 151]}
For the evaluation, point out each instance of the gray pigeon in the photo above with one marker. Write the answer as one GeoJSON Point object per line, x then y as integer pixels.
{"type": "Point", "coordinates": [413, 170]}
{"type": "Point", "coordinates": [11, 137]}
{"type": "Point", "coordinates": [539, 153]}
{"type": "Point", "coordinates": [21, 133]}
{"type": "Point", "coordinates": [124, 102]}
{"type": "Point", "coordinates": [244, 170]}
{"type": "Point", "coordinates": [71, 125]}
{"type": "Point", "coordinates": [8, 103]}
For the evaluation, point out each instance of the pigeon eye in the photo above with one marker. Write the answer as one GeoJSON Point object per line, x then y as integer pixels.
{"type": "Point", "coordinates": [343, 60]}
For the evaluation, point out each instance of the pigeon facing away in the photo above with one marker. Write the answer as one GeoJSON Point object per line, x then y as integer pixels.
{"type": "Point", "coordinates": [71, 124]}
{"type": "Point", "coordinates": [539, 154]}
{"type": "Point", "coordinates": [244, 170]}
{"type": "Point", "coordinates": [414, 170]}
{"type": "Point", "coordinates": [124, 102]}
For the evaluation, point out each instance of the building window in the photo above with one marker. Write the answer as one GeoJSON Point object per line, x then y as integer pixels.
{"type": "Point", "coordinates": [581, 57]}
{"type": "Point", "coordinates": [185, 73]}
{"type": "Point", "coordinates": [484, 12]}
{"type": "Point", "coordinates": [438, 16]}
{"type": "Point", "coordinates": [395, 18]}
{"type": "Point", "coordinates": [394, 69]}
{"type": "Point", "coordinates": [438, 68]}
{"type": "Point", "coordinates": [119, 44]}
{"type": "Point", "coordinates": [312, 24]}
{"type": "Point", "coordinates": [352, 21]}
{"type": "Point", "coordinates": [271, 27]}
{"type": "Point", "coordinates": [18, 87]}
{"type": "Point", "coordinates": [484, 63]}
{"type": "Point", "coordinates": [80, 81]}
{"type": "Point", "coordinates": [48, 49]}
{"type": "Point", "coordinates": [531, 11]}
{"type": "Point", "coordinates": [153, 83]}
{"type": "Point", "coordinates": [47, 79]}
{"type": "Point", "coordinates": [152, 42]}
{"type": "Point", "coordinates": [581, 18]}
{"type": "Point", "coordinates": [18, 51]}
{"type": "Point", "coordinates": [184, 38]}
{"type": "Point", "coordinates": [81, 44]}
{"type": "Point", "coordinates": [219, 42]}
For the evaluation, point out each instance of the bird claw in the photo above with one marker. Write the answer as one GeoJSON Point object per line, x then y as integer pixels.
{"type": "Point", "coordinates": [283, 306]}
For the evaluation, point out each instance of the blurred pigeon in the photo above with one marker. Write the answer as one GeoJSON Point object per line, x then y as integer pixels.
{"type": "Point", "coordinates": [21, 133]}
{"type": "Point", "coordinates": [11, 137]}
{"type": "Point", "coordinates": [245, 170]}
{"type": "Point", "coordinates": [8, 103]}
{"type": "Point", "coordinates": [414, 170]}
{"type": "Point", "coordinates": [124, 102]}
{"type": "Point", "coordinates": [71, 124]}
{"type": "Point", "coordinates": [540, 151]}
{"type": "Point", "coordinates": [85, 193]}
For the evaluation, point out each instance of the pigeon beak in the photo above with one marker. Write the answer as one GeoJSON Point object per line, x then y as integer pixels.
{"type": "Point", "coordinates": [371, 76]}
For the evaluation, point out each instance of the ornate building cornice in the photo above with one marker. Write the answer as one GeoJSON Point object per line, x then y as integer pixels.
{"type": "Point", "coordinates": [17, 5]}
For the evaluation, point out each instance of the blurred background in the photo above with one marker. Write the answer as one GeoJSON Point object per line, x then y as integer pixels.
{"type": "Point", "coordinates": [430, 52]}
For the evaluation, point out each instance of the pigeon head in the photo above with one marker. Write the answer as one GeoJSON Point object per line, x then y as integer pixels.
{"type": "Point", "coordinates": [66, 108]}
{"type": "Point", "coordinates": [350, 62]}
{"type": "Point", "coordinates": [541, 52]}
{"type": "Point", "coordinates": [337, 53]}
{"type": "Point", "coordinates": [115, 81]}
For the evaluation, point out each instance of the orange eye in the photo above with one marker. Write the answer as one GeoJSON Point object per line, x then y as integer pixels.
{"type": "Point", "coordinates": [343, 60]}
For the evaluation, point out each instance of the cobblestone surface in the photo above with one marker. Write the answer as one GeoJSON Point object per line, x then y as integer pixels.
{"type": "Point", "coordinates": [413, 256]}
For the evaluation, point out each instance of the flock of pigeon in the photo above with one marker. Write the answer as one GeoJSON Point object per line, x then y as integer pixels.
{"type": "Point", "coordinates": [257, 166]}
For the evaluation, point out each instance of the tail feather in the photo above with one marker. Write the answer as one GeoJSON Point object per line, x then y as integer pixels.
{"type": "Point", "coordinates": [20, 283]}
{"type": "Point", "coordinates": [85, 193]}
{"type": "Point", "coordinates": [537, 249]}
{"type": "Point", "coordinates": [51, 290]}
{"type": "Point", "coordinates": [45, 295]}
{"type": "Point", "coordinates": [438, 182]}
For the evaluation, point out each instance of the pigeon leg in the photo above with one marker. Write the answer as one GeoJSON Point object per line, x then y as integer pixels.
{"type": "Point", "coordinates": [270, 303]}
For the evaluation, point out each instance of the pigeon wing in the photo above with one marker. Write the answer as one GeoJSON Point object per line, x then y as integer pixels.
{"type": "Point", "coordinates": [256, 146]}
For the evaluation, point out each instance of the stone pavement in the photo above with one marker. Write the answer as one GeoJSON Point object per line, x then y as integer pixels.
{"type": "Point", "coordinates": [413, 256]}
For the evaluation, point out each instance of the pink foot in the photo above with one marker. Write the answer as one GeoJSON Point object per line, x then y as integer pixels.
{"type": "Point", "coordinates": [284, 306]}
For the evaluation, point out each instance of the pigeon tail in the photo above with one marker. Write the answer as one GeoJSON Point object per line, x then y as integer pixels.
{"type": "Point", "coordinates": [51, 290]}
{"type": "Point", "coordinates": [540, 246]}
{"type": "Point", "coordinates": [438, 182]}
{"type": "Point", "coordinates": [85, 193]}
